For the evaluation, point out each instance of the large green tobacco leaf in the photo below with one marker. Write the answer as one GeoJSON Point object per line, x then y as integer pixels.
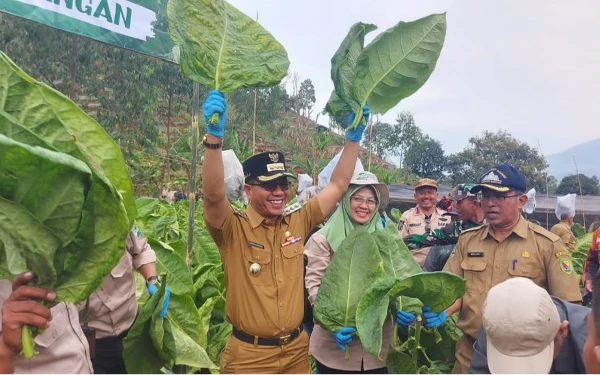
{"type": "Point", "coordinates": [26, 173]}
{"type": "Point", "coordinates": [336, 106]}
{"type": "Point", "coordinates": [399, 363]}
{"type": "Point", "coordinates": [223, 48]}
{"type": "Point", "coordinates": [398, 262]}
{"type": "Point", "coordinates": [205, 250]}
{"type": "Point", "coordinates": [21, 251]}
{"type": "Point", "coordinates": [61, 124]}
{"type": "Point", "coordinates": [437, 290]}
{"type": "Point", "coordinates": [139, 353]}
{"type": "Point", "coordinates": [218, 335]}
{"type": "Point", "coordinates": [355, 266]}
{"type": "Point", "coordinates": [398, 62]}
{"type": "Point", "coordinates": [343, 64]}
{"type": "Point", "coordinates": [171, 263]}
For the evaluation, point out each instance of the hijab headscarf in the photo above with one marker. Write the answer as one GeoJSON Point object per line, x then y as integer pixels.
{"type": "Point", "coordinates": [340, 224]}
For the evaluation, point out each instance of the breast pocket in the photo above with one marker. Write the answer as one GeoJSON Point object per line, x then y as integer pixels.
{"type": "Point", "coordinates": [258, 260]}
{"type": "Point", "coordinates": [474, 271]}
{"type": "Point", "coordinates": [530, 270]}
{"type": "Point", "coordinates": [293, 262]}
{"type": "Point", "coordinates": [121, 277]}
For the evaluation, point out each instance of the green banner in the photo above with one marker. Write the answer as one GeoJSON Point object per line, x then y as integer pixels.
{"type": "Point", "coordinates": [137, 25]}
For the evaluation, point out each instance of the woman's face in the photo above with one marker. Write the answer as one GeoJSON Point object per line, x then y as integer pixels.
{"type": "Point", "coordinates": [363, 204]}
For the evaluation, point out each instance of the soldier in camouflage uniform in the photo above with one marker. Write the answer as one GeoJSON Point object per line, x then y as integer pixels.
{"type": "Point", "coordinates": [469, 213]}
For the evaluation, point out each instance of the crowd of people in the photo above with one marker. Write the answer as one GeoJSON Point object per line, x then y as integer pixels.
{"type": "Point", "coordinates": [521, 311]}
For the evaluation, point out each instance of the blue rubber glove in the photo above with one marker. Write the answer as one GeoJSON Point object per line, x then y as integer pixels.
{"type": "Point", "coordinates": [152, 288]}
{"type": "Point", "coordinates": [215, 103]}
{"type": "Point", "coordinates": [355, 135]}
{"type": "Point", "coordinates": [404, 319]}
{"type": "Point", "coordinates": [343, 337]}
{"type": "Point", "coordinates": [432, 319]}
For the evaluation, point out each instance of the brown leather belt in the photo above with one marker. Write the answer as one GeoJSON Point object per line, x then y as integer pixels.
{"type": "Point", "coordinates": [269, 341]}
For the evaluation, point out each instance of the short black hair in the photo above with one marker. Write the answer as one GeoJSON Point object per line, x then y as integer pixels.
{"type": "Point", "coordinates": [596, 306]}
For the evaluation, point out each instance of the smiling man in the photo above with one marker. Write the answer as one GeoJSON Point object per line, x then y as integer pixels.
{"type": "Point", "coordinates": [506, 246]}
{"type": "Point", "coordinates": [423, 218]}
{"type": "Point", "coordinates": [262, 249]}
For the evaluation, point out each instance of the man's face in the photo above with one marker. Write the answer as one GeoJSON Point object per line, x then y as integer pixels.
{"type": "Point", "coordinates": [466, 208]}
{"type": "Point", "coordinates": [591, 350]}
{"type": "Point", "coordinates": [502, 209]}
{"type": "Point", "coordinates": [269, 199]}
{"type": "Point", "coordinates": [426, 197]}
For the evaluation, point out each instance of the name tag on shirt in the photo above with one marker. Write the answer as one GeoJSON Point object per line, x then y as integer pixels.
{"type": "Point", "coordinates": [254, 244]}
{"type": "Point", "coordinates": [475, 254]}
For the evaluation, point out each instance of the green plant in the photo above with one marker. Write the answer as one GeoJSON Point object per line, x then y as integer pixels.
{"type": "Point", "coordinates": [70, 235]}
{"type": "Point", "coordinates": [392, 67]}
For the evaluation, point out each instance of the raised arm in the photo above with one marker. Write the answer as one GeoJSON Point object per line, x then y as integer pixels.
{"type": "Point", "coordinates": [216, 205]}
{"type": "Point", "coordinates": [342, 174]}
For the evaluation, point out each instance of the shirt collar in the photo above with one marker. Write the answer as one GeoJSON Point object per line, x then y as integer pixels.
{"type": "Point", "coordinates": [256, 219]}
{"type": "Point", "coordinates": [520, 229]}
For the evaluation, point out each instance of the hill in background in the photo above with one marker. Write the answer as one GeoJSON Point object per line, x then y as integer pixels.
{"type": "Point", "coordinates": [587, 156]}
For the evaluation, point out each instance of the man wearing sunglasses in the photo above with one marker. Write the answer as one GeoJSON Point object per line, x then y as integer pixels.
{"type": "Point", "coordinates": [506, 246]}
{"type": "Point", "coordinates": [262, 249]}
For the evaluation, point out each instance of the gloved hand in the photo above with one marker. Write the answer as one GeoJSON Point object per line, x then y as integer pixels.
{"type": "Point", "coordinates": [343, 337]}
{"type": "Point", "coordinates": [404, 319]}
{"type": "Point", "coordinates": [432, 319]}
{"type": "Point", "coordinates": [215, 103]}
{"type": "Point", "coordinates": [152, 288]}
{"type": "Point", "coordinates": [355, 135]}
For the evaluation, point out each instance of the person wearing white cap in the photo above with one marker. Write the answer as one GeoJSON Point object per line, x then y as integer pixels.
{"type": "Point", "coordinates": [525, 330]}
{"type": "Point", "coordinates": [565, 212]}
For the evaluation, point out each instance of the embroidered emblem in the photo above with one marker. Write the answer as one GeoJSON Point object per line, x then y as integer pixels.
{"type": "Point", "coordinates": [562, 254]}
{"type": "Point", "coordinates": [274, 157]}
{"type": "Point", "coordinates": [565, 265]}
{"type": "Point", "coordinates": [491, 177]}
{"type": "Point", "coordinates": [525, 254]}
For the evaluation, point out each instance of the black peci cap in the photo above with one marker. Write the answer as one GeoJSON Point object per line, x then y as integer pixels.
{"type": "Point", "coordinates": [502, 177]}
{"type": "Point", "coordinates": [266, 166]}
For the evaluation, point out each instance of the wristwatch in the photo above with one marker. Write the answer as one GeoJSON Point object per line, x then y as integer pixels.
{"type": "Point", "coordinates": [212, 146]}
{"type": "Point", "coordinates": [151, 279]}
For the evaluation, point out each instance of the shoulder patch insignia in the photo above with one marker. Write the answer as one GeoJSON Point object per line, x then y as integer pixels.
{"type": "Point", "coordinates": [239, 212]}
{"type": "Point", "coordinates": [291, 208]}
{"type": "Point", "coordinates": [562, 254]}
{"type": "Point", "coordinates": [566, 265]}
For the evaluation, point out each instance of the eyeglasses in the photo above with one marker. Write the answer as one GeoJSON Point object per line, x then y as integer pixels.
{"type": "Point", "coordinates": [497, 197]}
{"type": "Point", "coordinates": [272, 186]}
{"type": "Point", "coordinates": [360, 200]}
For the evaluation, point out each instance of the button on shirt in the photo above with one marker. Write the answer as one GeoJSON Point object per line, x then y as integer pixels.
{"type": "Point", "coordinates": [269, 303]}
{"type": "Point", "coordinates": [113, 306]}
{"type": "Point", "coordinates": [529, 251]}
{"type": "Point", "coordinates": [63, 348]}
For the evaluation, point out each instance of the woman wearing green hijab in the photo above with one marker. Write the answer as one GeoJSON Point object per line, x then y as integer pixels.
{"type": "Point", "coordinates": [360, 206]}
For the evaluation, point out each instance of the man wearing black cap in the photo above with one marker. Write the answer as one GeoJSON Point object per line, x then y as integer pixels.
{"type": "Point", "coordinates": [506, 246]}
{"type": "Point", "coordinates": [262, 250]}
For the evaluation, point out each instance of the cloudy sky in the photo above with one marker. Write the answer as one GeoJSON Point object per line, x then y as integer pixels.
{"type": "Point", "coordinates": [529, 67]}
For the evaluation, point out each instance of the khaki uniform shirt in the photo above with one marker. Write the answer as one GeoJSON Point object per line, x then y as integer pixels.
{"type": "Point", "coordinates": [269, 303]}
{"type": "Point", "coordinates": [322, 344]}
{"type": "Point", "coordinates": [113, 306]}
{"type": "Point", "coordinates": [563, 231]}
{"type": "Point", "coordinates": [413, 222]}
{"type": "Point", "coordinates": [63, 348]}
{"type": "Point", "coordinates": [529, 251]}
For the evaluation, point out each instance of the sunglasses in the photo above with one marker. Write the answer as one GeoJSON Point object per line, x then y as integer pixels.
{"type": "Point", "coordinates": [272, 186]}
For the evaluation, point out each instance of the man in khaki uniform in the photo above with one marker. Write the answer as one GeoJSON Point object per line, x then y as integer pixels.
{"type": "Point", "coordinates": [262, 250]}
{"type": "Point", "coordinates": [111, 309]}
{"type": "Point", "coordinates": [63, 348]}
{"type": "Point", "coordinates": [423, 218]}
{"type": "Point", "coordinates": [507, 246]}
{"type": "Point", "coordinates": [565, 212]}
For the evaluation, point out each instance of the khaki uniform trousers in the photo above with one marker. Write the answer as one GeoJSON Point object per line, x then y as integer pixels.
{"type": "Point", "coordinates": [464, 353]}
{"type": "Point", "coordinates": [241, 357]}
